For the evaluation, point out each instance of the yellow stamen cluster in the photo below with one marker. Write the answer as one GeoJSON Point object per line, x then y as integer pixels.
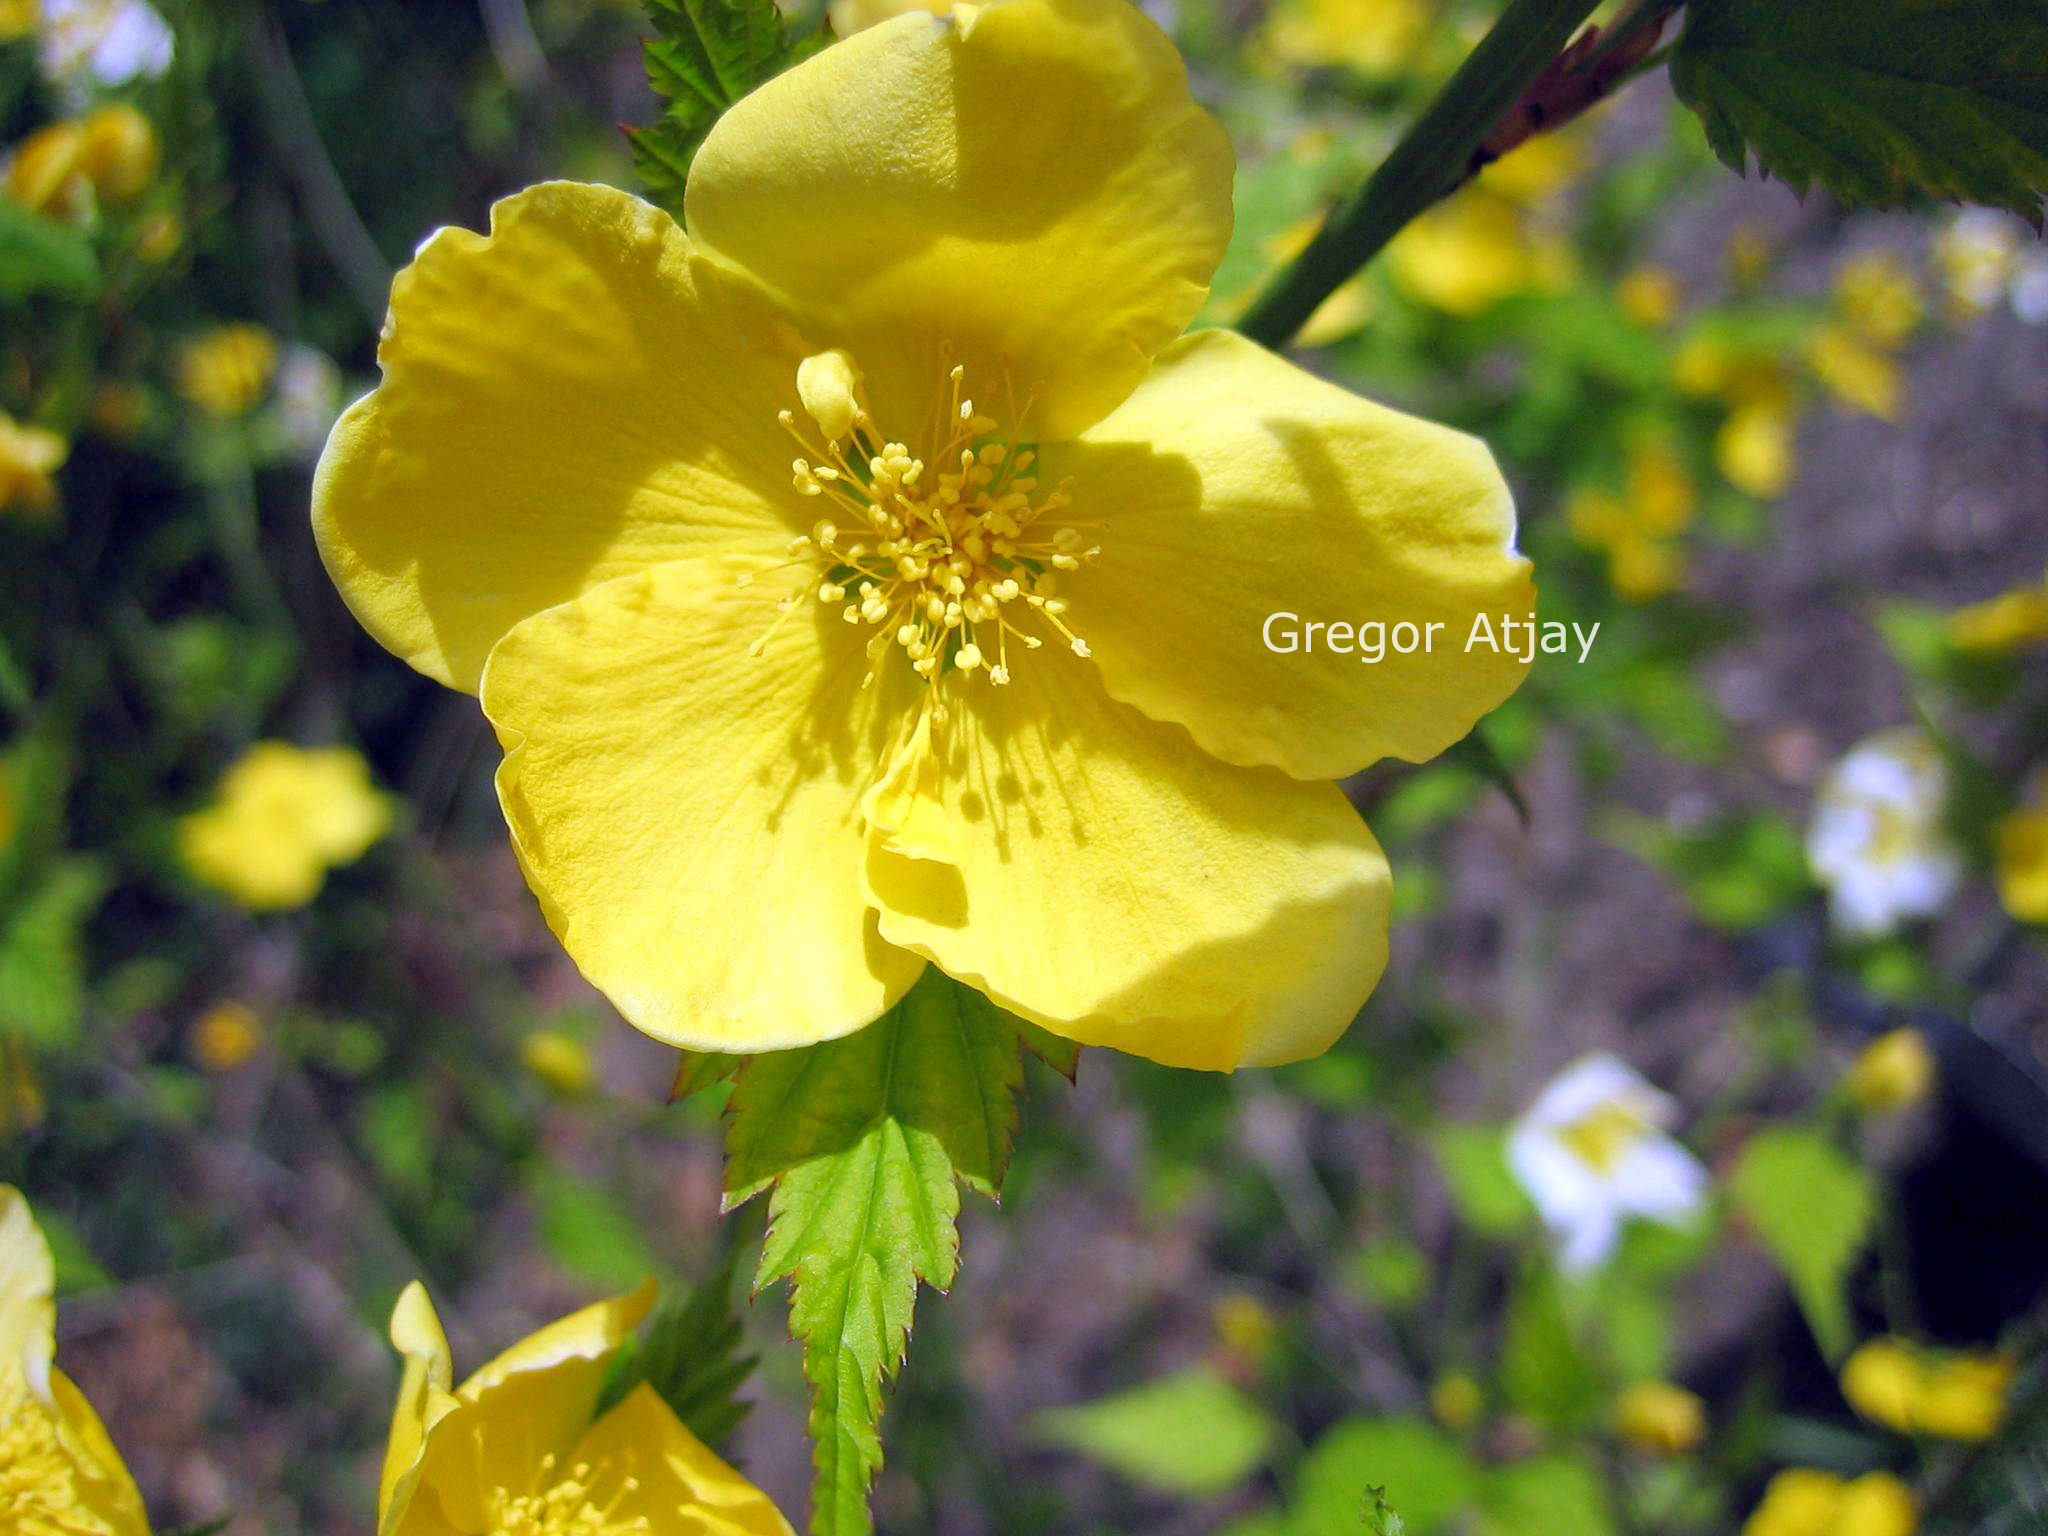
{"type": "Point", "coordinates": [38, 1479]}
{"type": "Point", "coordinates": [942, 552]}
{"type": "Point", "coordinates": [1605, 1136]}
{"type": "Point", "coordinates": [564, 1506]}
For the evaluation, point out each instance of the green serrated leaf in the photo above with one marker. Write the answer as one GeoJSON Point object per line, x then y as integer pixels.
{"type": "Point", "coordinates": [705, 55]}
{"type": "Point", "coordinates": [42, 975]}
{"type": "Point", "coordinates": [1881, 101]}
{"type": "Point", "coordinates": [690, 1357]}
{"type": "Point", "coordinates": [40, 255]}
{"type": "Point", "coordinates": [1813, 1206]}
{"type": "Point", "coordinates": [862, 1139]}
{"type": "Point", "coordinates": [699, 1070]}
{"type": "Point", "coordinates": [1193, 1434]}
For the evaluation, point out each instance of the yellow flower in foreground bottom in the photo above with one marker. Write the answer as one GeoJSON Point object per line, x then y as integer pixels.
{"type": "Point", "coordinates": [59, 1473]}
{"type": "Point", "coordinates": [226, 370]}
{"type": "Point", "coordinates": [519, 1449]}
{"type": "Point", "coordinates": [1660, 1417]}
{"type": "Point", "coordinates": [284, 817]}
{"type": "Point", "coordinates": [1803, 1501]}
{"type": "Point", "coordinates": [862, 576]}
{"type": "Point", "coordinates": [1895, 1071]}
{"type": "Point", "coordinates": [29, 456]}
{"type": "Point", "coordinates": [1931, 1392]}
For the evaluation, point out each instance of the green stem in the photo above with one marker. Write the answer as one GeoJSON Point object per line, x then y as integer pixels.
{"type": "Point", "coordinates": [1432, 156]}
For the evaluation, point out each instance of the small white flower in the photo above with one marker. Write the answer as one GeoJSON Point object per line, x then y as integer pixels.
{"type": "Point", "coordinates": [1877, 840]}
{"type": "Point", "coordinates": [103, 42]}
{"type": "Point", "coordinates": [1989, 258]}
{"type": "Point", "coordinates": [306, 398]}
{"type": "Point", "coordinates": [1592, 1151]}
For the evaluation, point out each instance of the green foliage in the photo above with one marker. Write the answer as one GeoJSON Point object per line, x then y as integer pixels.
{"type": "Point", "coordinates": [862, 1139]}
{"type": "Point", "coordinates": [40, 255]}
{"type": "Point", "coordinates": [705, 55]}
{"type": "Point", "coordinates": [1191, 1434]}
{"type": "Point", "coordinates": [1739, 872]}
{"type": "Point", "coordinates": [1549, 1493]}
{"type": "Point", "coordinates": [1475, 1165]}
{"type": "Point", "coordinates": [690, 1355]}
{"type": "Point", "coordinates": [1881, 101]}
{"type": "Point", "coordinates": [1544, 1372]}
{"type": "Point", "coordinates": [589, 1232]}
{"type": "Point", "coordinates": [1416, 1468]}
{"type": "Point", "coordinates": [42, 981]}
{"type": "Point", "coordinates": [1813, 1205]}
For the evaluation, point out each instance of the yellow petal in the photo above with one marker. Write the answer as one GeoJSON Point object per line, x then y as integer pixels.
{"type": "Point", "coordinates": [690, 815]}
{"type": "Point", "coordinates": [681, 1487]}
{"type": "Point", "coordinates": [28, 1308]}
{"type": "Point", "coordinates": [424, 1398]}
{"type": "Point", "coordinates": [567, 399]}
{"type": "Point", "coordinates": [1121, 887]}
{"type": "Point", "coordinates": [1030, 181]}
{"type": "Point", "coordinates": [1233, 486]}
{"type": "Point", "coordinates": [101, 1481]}
{"type": "Point", "coordinates": [2023, 864]}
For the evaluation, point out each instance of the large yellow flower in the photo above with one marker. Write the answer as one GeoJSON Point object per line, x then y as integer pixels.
{"type": "Point", "coordinates": [59, 1473]}
{"type": "Point", "coordinates": [985, 686]}
{"type": "Point", "coordinates": [519, 1449]}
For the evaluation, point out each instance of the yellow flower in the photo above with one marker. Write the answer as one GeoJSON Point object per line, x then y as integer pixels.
{"type": "Point", "coordinates": [226, 1036]}
{"type": "Point", "coordinates": [1642, 569]}
{"type": "Point", "coordinates": [851, 16]}
{"type": "Point", "coordinates": [1856, 372]}
{"type": "Point", "coordinates": [1803, 1501]}
{"type": "Point", "coordinates": [1895, 1071]}
{"type": "Point", "coordinates": [1649, 296]}
{"type": "Point", "coordinates": [1245, 1326]}
{"type": "Point", "coordinates": [1637, 531]}
{"type": "Point", "coordinates": [560, 1061]}
{"type": "Point", "coordinates": [1374, 37]}
{"type": "Point", "coordinates": [1878, 295]}
{"type": "Point", "coordinates": [110, 154]}
{"type": "Point", "coordinates": [979, 679]}
{"type": "Point", "coordinates": [2001, 625]}
{"type": "Point", "coordinates": [1660, 1417]}
{"type": "Point", "coordinates": [47, 175]}
{"type": "Point", "coordinates": [285, 815]}
{"type": "Point", "coordinates": [1753, 449]}
{"type": "Point", "coordinates": [59, 1473]}
{"type": "Point", "coordinates": [1468, 253]}
{"type": "Point", "coordinates": [2023, 864]}
{"type": "Point", "coordinates": [1457, 1401]}
{"type": "Point", "coordinates": [18, 19]}
{"type": "Point", "coordinates": [29, 456]}
{"type": "Point", "coordinates": [519, 1449]}
{"type": "Point", "coordinates": [120, 152]}
{"type": "Point", "coordinates": [1917, 1391]}
{"type": "Point", "coordinates": [226, 370]}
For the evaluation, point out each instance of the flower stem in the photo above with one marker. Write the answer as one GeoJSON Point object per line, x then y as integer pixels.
{"type": "Point", "coordinates": [1433, 156]}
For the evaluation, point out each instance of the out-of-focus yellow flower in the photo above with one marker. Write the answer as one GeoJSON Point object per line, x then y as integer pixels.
{"type": "Point", "coordinates": [1661, 491]}
{"type": "Point", "coordinates": [1245, 1326]}
{"type": "Point", "coordinates": [560, 1061]}
{"type": "Point", "coordinates": [285, 815]}
{"type": "Point", "coordinates": [520, 1448]}
{"type": "Point", "coordinates": [120, 151]}
{"type": "Point", "coordinates": [1878, 295]}
{"type": "Point", "coordinates": [1750, 254]}
{"type": "Point", "coordinates": [1642, 569]}
{"type": "Point", "coordinates": [1638, 530]}
{"type": "Point", "coordinates": [851, 16]}
{"type": "Point", "coordinates": [1932, 1392]}
{"type": "Point", "coordinates": [119, 409]}
{"type": "Point", "coordinates": [2022, 864]}
{"type": "Point", "coordinates": [1536, 169]}
{"type": "Point", "coordinates": [1649, 296]}
{"type": "Point", "coordinates": [1894, 1072]}
{"type": "Point", "coordinates": [226, 1036]}
{"type": "Point", "coordinates": [2001, 625]}
{"type": "Point", "coordinates": [1754, 448]}
{"type": "Point", "coordinates": [29, 457]}
{"type": "Point", "coordinates": [18, 19]}
{"type": "Point", "coordinates": [1457, 1401]}
{"type": "Point", "coordinates": [226, 370]}
{"type": "Point", "coordinates": [1803, 1501]}
{"type": "Point", "coordinates": [46, 175]}
{"type": "Point", "coordinates": [1105, 805]}
{"type": "Point", "coordinates": [1856, 372]}
{"type": "Point", "coordinates": [1468, 253]}
{"type": "Point", "coordinates": [1374, 37]}
{"type": "Point", "coordinates": [59, 1472]}
{"type": "Point", "coordinates": [1660, 1417]}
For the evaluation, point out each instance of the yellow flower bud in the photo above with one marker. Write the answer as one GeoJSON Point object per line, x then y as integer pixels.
{"type": "Point", "coordinates": [1754, 449]}
{"type": "Point", "coordinates": [226, 370]}
{"type": "Point", "coordinates": [1877, 1504]}
{"type": "Point", "coordinates": [1962, 1397]}
{"type": "Point", "coordinates": [1882, 1381]}
{"type": "Point", "coordinates": [47, 175]}
{"type": "Point", "coordinates": [1245, 1326]}
{"type": "Point", "coordinates": [2003, 624]}
{"type": "Point", "coordinates": [2023, 865]}
{"type": "Point", "coordinates": [1649, 296]}
{"type": "Point", "coordinates": [120, 152]}
{"type": "Point", "coordinates": [29, 456]}
{"type": "Point", "coordinates": [1800, 1501]}
{"type": "Point", "coordinates": [560, 1061]}
{"type": "Point", "coordinates": [226, 1036]}
{"type": "Point", "coordinates": [1660, 1417]}
{"type": "Point", "coordinates": [1457, 1401]}
{"type": "Point", "coordinates": [18, 19]}
{"type": "Point", "coordinates": [1857, 373]}
{"type": "Point", "coordinates": [1894, 1072]}
{"type": "Point", "coordinates": [1877, 294]}
{"type": "Point", "coordinates": [1643, 569]}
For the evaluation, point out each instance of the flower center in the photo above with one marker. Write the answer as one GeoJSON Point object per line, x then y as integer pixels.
{"type": "Point", "coordinates": [566, 1505]}
{"type": "Point", "coordinates": [1605, 1136]}
{"type": "Point", "coordinates": [948, 551]}
{"type": "Point", "coordinates": [38, 1478]}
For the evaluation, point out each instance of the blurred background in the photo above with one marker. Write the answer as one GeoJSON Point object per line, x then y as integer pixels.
{"type": "Point", "coordinates": [281, 1028]}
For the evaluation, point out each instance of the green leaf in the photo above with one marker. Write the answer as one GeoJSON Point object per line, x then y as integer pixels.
{"type": "Point", "coordinates": [1881, 101]}
{"type": "Point", "coordinates": [1192, 1434]}
{"type": "Point", "coordinates": [862, 1139]}
{"type": "Point", "coordinates": [1543, 1371]}
{"type": "Point", "coordinates": [1474, 1161]}
{"type": "Point", "coordinates": [1813, 1206]}
{"type": "Point", "coordinates": [705, 55]}
{"type": "Point", "coordinates": [42, 974]}
{"type": "Point", "coordinates": [39, 255]}
{"type": "Point", "coordinates": [588, 1232]}
{"type": "Point", "coordinates": [690, 1356]}
{"type": "Point", "coordinates": [1550, 1493]}
{"type": "Point", "coordinates": [1416, 1467]}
